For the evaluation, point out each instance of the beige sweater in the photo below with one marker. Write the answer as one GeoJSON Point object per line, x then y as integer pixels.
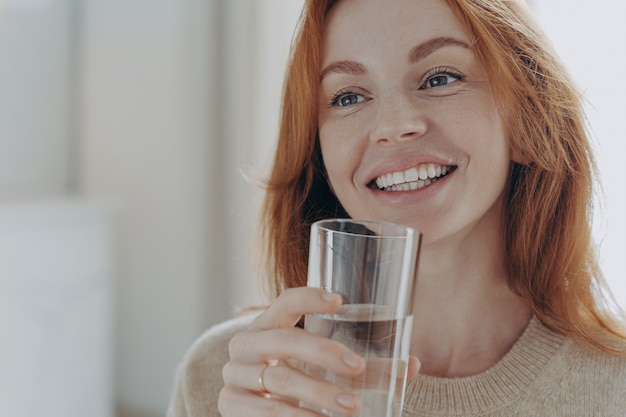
{"type": "Point", "coordinates": [543, 374]}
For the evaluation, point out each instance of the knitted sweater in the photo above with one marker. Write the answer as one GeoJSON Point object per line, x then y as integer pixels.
{"type": "Point", "coordinates": [544, 374]}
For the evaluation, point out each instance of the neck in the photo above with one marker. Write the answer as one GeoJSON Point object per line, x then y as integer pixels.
{"type": "Point", "coordinates": [465, 316]}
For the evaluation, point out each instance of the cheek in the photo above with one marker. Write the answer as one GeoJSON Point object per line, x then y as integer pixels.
{"type": "Point", "coordinates": [492, 157]}
{"type": "Point", "coordinates": [483, 131]}
{"type": "Point", "coordinates": [341, 147]}
{"type": "Point", "coordinates": [337, 167]}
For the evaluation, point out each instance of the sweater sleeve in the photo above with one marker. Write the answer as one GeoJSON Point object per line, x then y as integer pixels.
{"type": "Point", "coordinates": [198, 379]}
{"type": "Point", "coordinates": [177, 402]}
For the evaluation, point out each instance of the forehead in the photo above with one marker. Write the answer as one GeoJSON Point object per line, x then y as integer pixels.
{"type": "Point", "coordinates": [355, 28]}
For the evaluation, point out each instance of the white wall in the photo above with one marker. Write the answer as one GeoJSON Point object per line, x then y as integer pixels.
{"type": "Point", "coordinates": [179, 98]}
{"type": "Point", "coordinates": [56, 309]}
{"type": "Point", "coordinates": [147, 123]}
{"type": "Point", "coordinates": [56, 261]}
{"type": "Point", "coordinates": [35, 97]}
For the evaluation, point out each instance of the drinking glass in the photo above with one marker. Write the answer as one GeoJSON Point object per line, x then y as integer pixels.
{"type": "Point", "coordinates": [373, 266]}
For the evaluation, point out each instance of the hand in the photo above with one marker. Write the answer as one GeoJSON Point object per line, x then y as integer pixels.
{"type": "Point", "coordinates": [272, 338]}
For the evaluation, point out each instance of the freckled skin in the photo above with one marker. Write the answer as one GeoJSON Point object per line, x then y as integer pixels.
{"type": "Point", "coordinates": [438, 109]}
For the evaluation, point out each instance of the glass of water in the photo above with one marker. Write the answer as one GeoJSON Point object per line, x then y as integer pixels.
{"type": "Point", "coordinates": [373, 266]}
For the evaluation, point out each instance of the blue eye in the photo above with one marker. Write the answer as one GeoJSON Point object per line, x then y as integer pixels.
{"type": "Point", "coordinates": [441, 78]}
{"type": "Point", "coordinates": [346, 99]}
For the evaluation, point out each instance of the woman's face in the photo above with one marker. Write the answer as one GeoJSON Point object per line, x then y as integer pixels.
{"type": "Point", "coordinates": [408, 125]}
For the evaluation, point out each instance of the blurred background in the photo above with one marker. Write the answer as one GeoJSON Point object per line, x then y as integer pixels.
{"type": "Point", "coordinates": [132, 134]}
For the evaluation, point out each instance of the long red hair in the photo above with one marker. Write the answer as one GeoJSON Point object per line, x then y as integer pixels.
{"type": "Point", "coordinates": [550, 253]}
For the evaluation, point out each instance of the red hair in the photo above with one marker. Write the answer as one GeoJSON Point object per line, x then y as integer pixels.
{"type": "Point", "coordinates": [550, 254]}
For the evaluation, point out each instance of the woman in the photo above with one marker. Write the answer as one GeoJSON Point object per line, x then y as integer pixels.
{"type": "Point", "coordinates": [456, 118]}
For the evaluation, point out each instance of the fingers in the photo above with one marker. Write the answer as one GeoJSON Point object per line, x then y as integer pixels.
{"type": "Point", "coordinates": [284, 382]}
{"type": "Point", "coordinates": [292, 304]}
{"type": "Point", "coordinates": [413, 367]}
{"type": "Point", "coordinates": [236, 403]}
{"type": "Point", "coordinates": [255, 347]}
{"type": "Point", "coordinates": [272, 337]}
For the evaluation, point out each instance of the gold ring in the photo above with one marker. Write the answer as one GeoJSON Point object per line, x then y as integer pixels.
{"type": "Point", "coordinates": [262, 389]}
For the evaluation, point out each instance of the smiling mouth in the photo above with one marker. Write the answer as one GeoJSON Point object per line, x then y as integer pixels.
{"type": "Point", "coordinates": [413, 178]}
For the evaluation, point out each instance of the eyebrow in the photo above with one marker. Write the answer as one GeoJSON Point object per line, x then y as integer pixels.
{"type": "Point", "coordinates": [417, 53]}
{"type": "Point", "coordinates": [424, 49]}
{"type": "Point", "coordinates": [343, 67]}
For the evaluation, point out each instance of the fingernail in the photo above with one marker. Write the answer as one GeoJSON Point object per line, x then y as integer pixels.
{"type": "Point", "coordinates": [352, 360]}
{"type": "Point", "coordinates": [346, 400]}
{"type": "Point", "coordinates": [329, 296]}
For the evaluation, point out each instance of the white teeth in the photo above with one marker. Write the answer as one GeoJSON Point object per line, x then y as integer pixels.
{"type": "Point", "coordinates": [423, 172]}
{"type": "Point", "coordinates": [411, 175]}
{"type": "Point", "coordinates": [413, 178]}
{"type": "Point", "coordinates": [389, 179]}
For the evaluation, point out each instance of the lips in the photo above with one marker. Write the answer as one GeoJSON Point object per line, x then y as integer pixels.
{"type": "Point", "coordinates": [414, 178]}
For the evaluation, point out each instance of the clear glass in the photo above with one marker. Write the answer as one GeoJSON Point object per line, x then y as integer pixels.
{"type": "Point", "coordinates": [373, 265]}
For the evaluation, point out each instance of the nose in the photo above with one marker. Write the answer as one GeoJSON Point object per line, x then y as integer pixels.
{"type": "Point", "coordinates": [398, 118]}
